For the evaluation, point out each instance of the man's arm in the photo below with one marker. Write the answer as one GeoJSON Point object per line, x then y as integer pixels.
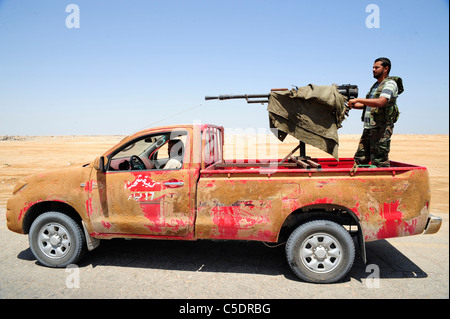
{"type": "Point", "coordinates": [173, 163]}
{"type": "Point", "coordinates": [359, 103]}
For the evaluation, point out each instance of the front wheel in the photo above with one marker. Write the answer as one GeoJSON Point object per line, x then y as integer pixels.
{"type": "Point", "coordinates": [56, 240]}
{"type": "Point", "coordinates": [320, 251]}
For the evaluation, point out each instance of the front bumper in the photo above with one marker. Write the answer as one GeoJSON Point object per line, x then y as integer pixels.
{"type": "Point", "coordinates": [433, 224]}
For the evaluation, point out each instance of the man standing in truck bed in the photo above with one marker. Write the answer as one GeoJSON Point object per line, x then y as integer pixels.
{"type": "Point", "coordinates": [380, 112]}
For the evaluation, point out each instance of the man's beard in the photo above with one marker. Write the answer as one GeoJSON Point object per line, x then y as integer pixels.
{"type": "Point", "coordinates": [376, 76]}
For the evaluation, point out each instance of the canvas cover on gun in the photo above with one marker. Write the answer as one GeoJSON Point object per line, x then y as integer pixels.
{"type": "Point", "coordinates": [312, 114]}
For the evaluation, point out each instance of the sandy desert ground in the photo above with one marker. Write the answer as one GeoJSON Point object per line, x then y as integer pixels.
{"type": "Point", "coordinates": [21, 156]}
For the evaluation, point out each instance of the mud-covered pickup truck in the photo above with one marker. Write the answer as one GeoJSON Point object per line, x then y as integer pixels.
{"type": "Point", "coordinates": [173, 183]}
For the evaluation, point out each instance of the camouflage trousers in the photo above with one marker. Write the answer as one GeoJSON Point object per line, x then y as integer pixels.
{"type": "Point", "coordinates": [374, 146]}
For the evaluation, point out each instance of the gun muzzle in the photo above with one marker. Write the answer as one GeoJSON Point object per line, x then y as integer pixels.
{"type": "Point", "coordinates": [348, 90]}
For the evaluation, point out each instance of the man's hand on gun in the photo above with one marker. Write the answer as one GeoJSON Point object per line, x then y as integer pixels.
{"type": "Point", "coordinates": [354, 104]}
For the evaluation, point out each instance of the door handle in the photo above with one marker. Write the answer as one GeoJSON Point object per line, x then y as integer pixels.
{"type": "Point", "coordinates": [173, 184]}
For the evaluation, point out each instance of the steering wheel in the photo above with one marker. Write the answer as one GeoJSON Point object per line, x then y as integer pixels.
{"type": "Point", "coordinates": [136, 163]}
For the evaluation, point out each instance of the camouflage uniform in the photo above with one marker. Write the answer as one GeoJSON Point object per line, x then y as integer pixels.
{"type": "Point", "coordinates": [374, 146]}
{"type": "Point", "coordinates": [375, 142]}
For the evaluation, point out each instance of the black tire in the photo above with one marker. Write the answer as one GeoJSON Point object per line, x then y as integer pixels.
{"type": "Point", "coordinates": [320, 251]}
{"type": "Point", "coordinates": [56, 240]}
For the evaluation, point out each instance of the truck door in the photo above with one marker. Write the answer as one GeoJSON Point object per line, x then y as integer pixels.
{"type": "Point", "coordinates": [145, 190]}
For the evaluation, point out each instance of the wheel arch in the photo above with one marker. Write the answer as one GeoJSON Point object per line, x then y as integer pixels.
{"type": "Point", "coordinates": [39, 208]}
{"type": "Point", "coordinates": [332, 212]}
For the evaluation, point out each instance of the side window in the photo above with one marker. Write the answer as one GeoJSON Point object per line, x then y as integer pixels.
{"type": "Point", "coordinates": [157, 151]}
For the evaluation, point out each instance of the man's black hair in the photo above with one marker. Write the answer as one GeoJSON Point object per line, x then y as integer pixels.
{"type": "Point", "coordinates": [384, 62]}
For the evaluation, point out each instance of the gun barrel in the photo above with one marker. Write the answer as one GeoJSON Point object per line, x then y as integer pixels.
{"type": "Point", "coordinates": [242, 96]}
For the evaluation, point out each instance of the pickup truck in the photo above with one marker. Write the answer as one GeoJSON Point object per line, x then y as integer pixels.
{"type": "Point", "coordinates": [172, 183]}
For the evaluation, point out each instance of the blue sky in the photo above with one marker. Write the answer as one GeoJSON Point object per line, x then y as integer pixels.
{"type": "Point", "coordinates": [137, 64]}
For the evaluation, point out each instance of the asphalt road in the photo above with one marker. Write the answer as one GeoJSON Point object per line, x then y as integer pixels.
{"type": "Point", "coordinates": [408, 267]}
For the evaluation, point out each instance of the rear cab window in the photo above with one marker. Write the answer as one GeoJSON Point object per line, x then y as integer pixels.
{"type": "Point", "coordinates": [212, 146]}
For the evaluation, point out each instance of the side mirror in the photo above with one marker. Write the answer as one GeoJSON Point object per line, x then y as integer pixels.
{"type": "Point", "coordinates": [101, 164]}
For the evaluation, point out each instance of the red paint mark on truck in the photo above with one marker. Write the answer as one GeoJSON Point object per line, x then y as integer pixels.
{"type": "Point", "coordinates": [324, 200]}
{"type": "Point", "coordinates": [392, 218]}
{"type": "Point", "coordinates": [89, 208]}
{"type": "Point", "coordinates": [356, 210]}
{"type": "Point", "coordinates": [106, 224]}
{"type": "Point", "coordinates": [152, 211]}
{"type": "Point", "coordinates": [242, 215]}
{"type": "Point", "coordinates": [26, 208]}
{"type": "Point", "coordinates": [394, 224]}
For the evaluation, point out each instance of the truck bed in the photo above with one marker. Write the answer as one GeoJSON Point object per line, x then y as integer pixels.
{"type": "Point", "coordinates": [256, 197]}
{"type": "Point", "coordinates": [344, 166]}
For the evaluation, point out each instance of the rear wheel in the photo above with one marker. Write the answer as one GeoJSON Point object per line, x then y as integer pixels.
{"type": "Point", "coordinates": [56, 240]}
{"type": "Point", "coordinates": [320, 251]}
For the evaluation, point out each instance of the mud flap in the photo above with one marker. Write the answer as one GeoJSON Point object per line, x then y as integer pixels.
{"type": "Point", "coordinates": [91, 242]}
{"type": "Point", "coordinates": [362, 245]}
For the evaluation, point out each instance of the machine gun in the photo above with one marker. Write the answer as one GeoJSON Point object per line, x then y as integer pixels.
{"type": "Point", "coordinates": [350, 91]}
